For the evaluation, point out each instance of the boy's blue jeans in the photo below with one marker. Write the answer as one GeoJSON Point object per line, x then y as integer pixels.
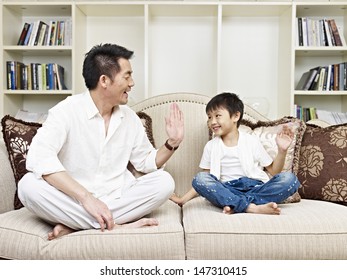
{"type": "Point", "coordinates": [239, 193]}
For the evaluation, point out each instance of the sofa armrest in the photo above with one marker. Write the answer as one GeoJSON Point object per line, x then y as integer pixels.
{"type": "Point", "coordinates": [7, 182]}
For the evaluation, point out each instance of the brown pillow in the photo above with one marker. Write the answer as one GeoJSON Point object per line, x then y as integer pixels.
{"type": "Point", "coordinates": [266, 131]}
{"type": "Point", "coordinates": [147, 124]}
{"type": "Point", "coordinates": [323, 163]}
{"type": "Point", "coordinates": [18, 135]}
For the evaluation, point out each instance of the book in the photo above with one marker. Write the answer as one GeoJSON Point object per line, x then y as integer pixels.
{"type": "Point", "coordinates": [322, 35]}
{"type": "Point", "coordinates": [42, 34]}
{"type": "Point", "coordinates": [336, 77]}
{"type": "Point", "coordinates": [314, 85]}
{"type": "Point", "coordinates": [307, 79]}
{"type": "Point", "coordinates": [10, 74]}
{"type": "Point", "coordinates": [304, 31]}
{"type": "Point", "coordinates": [312, 32]}
{"type": "Point", "coordinates": [327, 32]}
{"type": "Point", "coordinates": [39, 32]}
{"type": "Point", "coordinates": [60, 77]}
{"type": "Point", "coordinates": [52, 34]}
{"type": "Point", "coordinates": [327, 83]}
{"type": "Point", "coordinates": [23, 34]}
{"type": "Point", "coordinates": [321, 80]}
{"type": "Point", "coordinates": [28, 35]}
{"type": "Point", "coordinates": [331, 33]}
{"type": "Point", "coordinates": [60, 33]}
{"type": "Point", "coordinates": [68, 32]}
{"type": "Point", "coordinates": [33, 33]}
{"type": "Point", "coordinates": [335, 32]}
{"type": "Point", "coordinates": [299, 27]}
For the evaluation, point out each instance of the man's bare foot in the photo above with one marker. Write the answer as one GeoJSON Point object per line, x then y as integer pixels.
{"type": "Point", "coordinates": [144, 222]}
{"type": "Point", "coordinates": [227, 210]}
{"type": "Point", "coordinates": [268, 208]}
{"type": "Point", "coordinates": [58, 231]}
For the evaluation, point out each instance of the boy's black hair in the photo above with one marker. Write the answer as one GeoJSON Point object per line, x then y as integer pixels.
{"type": "Point", "coordinates": [103, 60]}
{"type": "Point", "coordinates": [229, 101]}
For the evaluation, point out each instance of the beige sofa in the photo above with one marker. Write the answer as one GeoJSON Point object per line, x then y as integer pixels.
{"type": "Point", "coordinates": [309, 229]}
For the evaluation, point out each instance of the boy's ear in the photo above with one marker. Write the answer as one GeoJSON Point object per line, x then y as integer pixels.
{"type": "Point", "coordinates": [236, 116]}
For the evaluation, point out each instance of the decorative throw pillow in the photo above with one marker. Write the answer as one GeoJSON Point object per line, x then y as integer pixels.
{"type": "Point", "coordinates": [18, 135]}
{"type": "Point", "coordinates": [147, 124]}
{"type": "Point", "coordinates": [267, 131]}
{"type": "Point", "coordinates": [323, 163]}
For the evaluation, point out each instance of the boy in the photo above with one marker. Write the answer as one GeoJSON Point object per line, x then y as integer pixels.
{"type": "Point", "coordinates": [233, 177]}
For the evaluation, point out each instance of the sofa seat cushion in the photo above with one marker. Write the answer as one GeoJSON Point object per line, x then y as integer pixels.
{"type": "Point", "coordinates": [24, 236]}
{"type": "Point", "coordinates": [310, 229]}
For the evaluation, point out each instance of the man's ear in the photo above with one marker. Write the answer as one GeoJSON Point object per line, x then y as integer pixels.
{"type": "Point", "coordinates": [104, 81]}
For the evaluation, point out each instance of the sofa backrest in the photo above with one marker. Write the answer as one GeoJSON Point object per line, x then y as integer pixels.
{"type": "Point", "coordinates": [182, 166]}
{"type": "Point", "coordinates": [185, 162]}
{"type": "Point", "coordinates": [7, 182]}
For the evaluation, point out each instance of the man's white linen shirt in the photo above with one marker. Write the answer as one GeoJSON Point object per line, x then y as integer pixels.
{"type": "Point", "coordinates": [74, 139]}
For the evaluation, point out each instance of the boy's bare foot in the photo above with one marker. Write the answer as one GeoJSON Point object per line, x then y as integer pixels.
{"type": "Point", "coordinates": [144, 222]}
{"type": "Point", "coordinates": [268, 208]}
{"type": "Point", "coordinates": [58, 231]}
{"type": "Point", "coordinates": [227, 210]}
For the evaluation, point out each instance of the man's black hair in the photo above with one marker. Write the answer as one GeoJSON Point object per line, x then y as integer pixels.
{"type": "Point", "coordinates": [103, 60]}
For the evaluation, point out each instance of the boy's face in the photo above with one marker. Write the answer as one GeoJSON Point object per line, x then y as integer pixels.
{"type": "Point", "coordinates": [221, 123]}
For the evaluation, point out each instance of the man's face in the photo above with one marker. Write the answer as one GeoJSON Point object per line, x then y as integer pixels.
{"type": "Point", "coordinates": [122, 83]}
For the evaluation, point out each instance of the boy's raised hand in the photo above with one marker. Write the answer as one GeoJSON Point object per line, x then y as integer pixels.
{"type": "Point", "coordinates": [284, 138]}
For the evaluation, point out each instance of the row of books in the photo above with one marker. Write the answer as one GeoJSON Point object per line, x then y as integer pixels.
{"type": "Point", "coordinates": [35, 76]}
{"type": "Point", "coordinates": [310, 113]}
{"type": "Point", "coordinates": [39, 33]}
{"type": "Point", "coordinates": [305, 113]}
{"type": "Point", "coordinates": [324, 78]}
{"type": "Point", "coordinates": [319, 32]}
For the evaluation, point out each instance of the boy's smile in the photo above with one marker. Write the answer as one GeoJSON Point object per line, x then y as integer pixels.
{"type": "Point", "coordinates": [222, 124]}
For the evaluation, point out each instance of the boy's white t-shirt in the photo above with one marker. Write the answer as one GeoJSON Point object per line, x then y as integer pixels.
{"type": "Point", "coordinates": [248, 158]}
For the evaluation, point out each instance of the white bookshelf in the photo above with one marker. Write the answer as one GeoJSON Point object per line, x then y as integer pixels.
{"type": "Point", "coordinates": [206, 47]}
{"type": "Point", "coordinates": [310, 57]}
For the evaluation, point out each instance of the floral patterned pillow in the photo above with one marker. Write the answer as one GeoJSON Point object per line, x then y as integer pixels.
{"type": "Point", "coordinates": [323, 163]}
{"type": "Point", "coordinates": [266, 131]}
{"type": "Point", "coordinates": [18, 135]}
{"type": "Point", "coordinates": [147, 125]}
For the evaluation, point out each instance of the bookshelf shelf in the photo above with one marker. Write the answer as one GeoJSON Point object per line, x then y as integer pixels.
{"type": "Point", "coordinates": [320, 51]}
{"type": "Point", "coordinates": [317, 93]}
{"type": "Point", "coordinates": [37, 92]}
{"type": "Point", "coordinates": [40, 50]}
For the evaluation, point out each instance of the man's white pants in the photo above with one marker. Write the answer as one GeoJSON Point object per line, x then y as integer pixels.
{"type": "Point", "coordinates": [146, 194]}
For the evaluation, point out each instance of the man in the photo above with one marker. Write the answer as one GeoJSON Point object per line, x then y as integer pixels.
{"type": "Point", "coordinates": [78, 160]}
